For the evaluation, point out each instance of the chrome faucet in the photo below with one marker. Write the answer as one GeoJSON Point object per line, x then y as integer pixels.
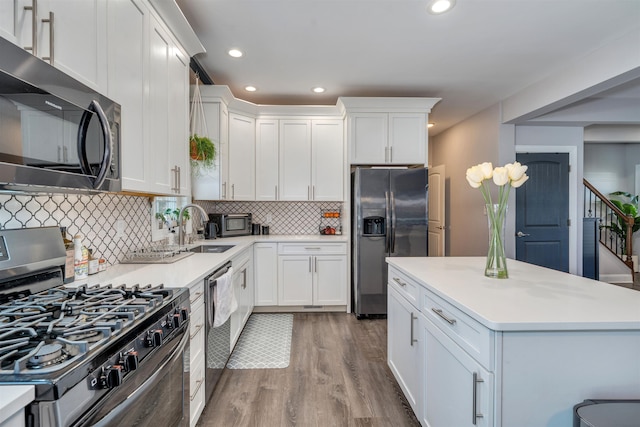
{"type": "Point", "coordinates": [181, 232]}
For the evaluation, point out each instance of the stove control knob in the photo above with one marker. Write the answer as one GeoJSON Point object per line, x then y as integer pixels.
{"type": "Point", "coordinates": [154, 338]}
{"type": "Point", "coordinates": [176, 320]}
{"type": "Point", "coordinates": [130, 361]}
{"type": "Point", "coordinates": [184, 314]}
{"type": "Point", "coordinates": [113, 376]}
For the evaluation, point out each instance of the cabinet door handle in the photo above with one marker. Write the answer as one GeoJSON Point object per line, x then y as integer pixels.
{"type": "Point", "coordinates": [390, 154]}
{"type": "Point", "coordinates": [276, 192]}
{"type": "Point", "coordinates": [309, 264]}
{"type": "Point", "coordinates": [224, 190]}
{"type": "Point", "coordinates": [233, 191]}
{"type": "Point", "coordinates": [198, 385]}
{"type": "Point", "coordinates": [244, 279]}
{"type": "Point", "coordinates": [476, 415]}
{"type": "Point", "coordinates": [34, 27]}
{"type": "Point", "coordinates": [443, 316]}
{"type": "Point", "coordinates": [179, 180]}
{"type": "Point", "coordinates": [312, 248]}
{"type": "Point", "coordinates": [386, 154]}
{"type": "Point", "coordinates": [198, 327]}
{"type": "Point", "coordinates": [313, 192]}
{"type": "Point", "coordinates": [50, 21]}
{"type": "Point", "coordinates": [308, 192]}
{"type": "Point", "coordinates": [315, 263]}
{"type": "Point", "coordinates": [413, 340]}
{"type": "Point", "coordinates": [196, 296]}
{"type": "Point", "coordinates": [399, 282]}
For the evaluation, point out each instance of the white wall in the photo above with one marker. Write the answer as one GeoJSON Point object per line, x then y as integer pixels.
{"type": "Point", "coordinates": [612, 167]}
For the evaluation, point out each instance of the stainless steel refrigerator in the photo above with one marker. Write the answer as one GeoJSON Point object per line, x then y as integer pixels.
{"type": "Point", "coordinates": [389, 219]}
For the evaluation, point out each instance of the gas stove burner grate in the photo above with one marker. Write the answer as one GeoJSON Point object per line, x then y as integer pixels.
{"type": "Point", "coordinates": [48, 354]}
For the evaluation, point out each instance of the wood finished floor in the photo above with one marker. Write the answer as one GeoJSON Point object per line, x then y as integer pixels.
{"type": "Point", "coordinates": [338, 376]}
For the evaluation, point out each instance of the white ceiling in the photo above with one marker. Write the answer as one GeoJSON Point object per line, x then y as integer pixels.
{"type": "Point", "coordinates": [479, 53]}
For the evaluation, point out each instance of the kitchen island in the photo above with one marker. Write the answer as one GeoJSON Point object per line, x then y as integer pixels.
{"type": "Point", "coordinates": [515, 352]}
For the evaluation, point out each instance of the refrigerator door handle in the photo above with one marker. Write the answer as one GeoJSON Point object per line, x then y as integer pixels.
{"type": "Point", "coordinates": [393, 222]}
{"type": "Point", "coordinates": [387, 225]}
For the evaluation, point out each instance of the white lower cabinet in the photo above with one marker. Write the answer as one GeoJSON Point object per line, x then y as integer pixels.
{"type": "Point", "coordinates": [243, 288]}
{"type": "Point", "coordinates": [312, 274]}
{"type": "Point", "coordinates": [404, 347]}
{"type": "Point", "coordinates": [196, 352]}
{"type": "Point", "coordinates": [266, 273]}
{"type": "Point", "coordinates": [458, 391]}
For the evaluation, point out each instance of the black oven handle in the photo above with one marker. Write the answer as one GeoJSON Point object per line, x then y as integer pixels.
{"type": "Point", "coordinates": [105, 164]}
{"type": "Point", "coordinates": [149, 382]}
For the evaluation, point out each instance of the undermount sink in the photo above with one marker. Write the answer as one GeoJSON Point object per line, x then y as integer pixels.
{"type": "Point", "coordinates": [211, 249]}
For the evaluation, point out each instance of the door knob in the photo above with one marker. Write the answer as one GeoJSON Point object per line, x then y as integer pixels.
{"type": "Point", "coordinates": [521, 234]}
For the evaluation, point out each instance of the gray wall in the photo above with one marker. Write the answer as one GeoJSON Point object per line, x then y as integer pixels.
{"type": "Point", "coordinates": [480, 138]}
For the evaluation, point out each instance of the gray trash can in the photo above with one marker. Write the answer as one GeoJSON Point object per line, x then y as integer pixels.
{"type": "Point", "coordinates": [607, 413]}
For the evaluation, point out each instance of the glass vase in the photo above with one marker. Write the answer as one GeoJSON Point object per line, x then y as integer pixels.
{"type": "Point", "coordinates": [496, 260]}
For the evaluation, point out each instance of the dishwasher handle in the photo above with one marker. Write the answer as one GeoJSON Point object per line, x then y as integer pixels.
{"type": "Point", "coordinates": [209, 285]}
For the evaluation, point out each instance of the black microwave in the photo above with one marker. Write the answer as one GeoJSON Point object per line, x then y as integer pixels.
{"type": "Point", "coordinates": [55, 132]}
{"type": "Point", "coordinates": [229, 224]}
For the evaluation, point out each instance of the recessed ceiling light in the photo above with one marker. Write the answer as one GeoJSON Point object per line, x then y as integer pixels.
{"type": "Point", "coordinates": [318, 89]}
{"type": "Point", "coordinates": [437, 7]}
{"type": "Point", "coordinates": [430, 125]}
{"type": "Point", "coordinates": [250, 88]}
{"type": "Point", "coordinates": [235, 53]}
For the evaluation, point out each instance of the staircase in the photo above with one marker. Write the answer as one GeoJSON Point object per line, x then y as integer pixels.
{"type": "Point", "coordinates": [613, 225]}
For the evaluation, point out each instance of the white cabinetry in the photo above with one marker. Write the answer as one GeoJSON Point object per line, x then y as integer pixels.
{"type": "Point", "coordinates": [127, 85]}
{"type": "Point", "coordinates": [458, 391]}
{"type": "Point", "coordinates": [196, 352]}
{"type": "Point", "coordinates": [8, 20]}
{"type": "Point", "coordinates": [241, 158]}
{"type": "Point", "coordinates": [312, 274]}
{"type": "Point", "coordinates": [394, 138]}
{"type": "Point", "coordinates": [267, 143]}
{"type": "Point", "coordinates": [404, 346]}
{"type": "Point", "coordinates": [266, 273]}
{"type": "Point", "coordinates": [243, 287]}
{"type": "Point", "coordinates": [149, 77]}
{"type": "Point", "coordinates": [387, 131]}
{"type": "Point", "coordinates": [167, 107]}
{"type": "Point", "coordinates": [299, 159]}
{"type": "Point", "coordinates": [70, 34]}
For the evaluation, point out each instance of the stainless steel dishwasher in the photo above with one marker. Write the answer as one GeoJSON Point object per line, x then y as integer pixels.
{"type": "Point", "coordinates": [218, 340]}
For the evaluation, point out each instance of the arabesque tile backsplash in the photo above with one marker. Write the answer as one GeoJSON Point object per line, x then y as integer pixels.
{"type": "Point", "coordinates": [98, 217]}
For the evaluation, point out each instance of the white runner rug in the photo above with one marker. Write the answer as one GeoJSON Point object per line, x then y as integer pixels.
{"type": "Point", "coordinates": [264, 343]}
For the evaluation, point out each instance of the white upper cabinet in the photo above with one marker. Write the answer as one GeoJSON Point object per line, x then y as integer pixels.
{"type": "Point", "coordinates": [394, 139]}
{"type": "Point", "coordinates": [327, 160]}
{"type": "Point", "coordinates": [387, 131]}
{"type": "Point", "coordinates": [7, 20]}
{"type": "Point", "coordinates": [295, 160]}
{"type": "Point", "coordinates": [128, 28]}
{"type": "Point", "coordinates": [69, 34]}
{"type": "Point", "coordinates": [299, 159]}
{"type": "Point", "coordinates": [241, 158]}
{"type": "Point", "coordinates": [267, 162]}
{"type": "Point", "coordinates": [149, 77]}
{"type": "Point", "coordinates": [178, 92]}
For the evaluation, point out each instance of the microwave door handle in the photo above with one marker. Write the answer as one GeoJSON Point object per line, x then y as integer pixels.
{"type": "Point", "coordinates": [82, 143]}
{"type": "Point", "coordinates": [108, 151]}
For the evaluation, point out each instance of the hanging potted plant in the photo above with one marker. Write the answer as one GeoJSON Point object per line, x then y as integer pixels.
{"type": "Point", "coordinates": [203, 153]}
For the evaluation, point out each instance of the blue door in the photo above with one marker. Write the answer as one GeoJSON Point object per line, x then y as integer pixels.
{"type": "Point", "coordinates": [542, 211]}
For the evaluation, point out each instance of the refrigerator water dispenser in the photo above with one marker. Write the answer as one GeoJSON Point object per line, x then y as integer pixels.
{"type": "Point", "coordinates": [373, 226]}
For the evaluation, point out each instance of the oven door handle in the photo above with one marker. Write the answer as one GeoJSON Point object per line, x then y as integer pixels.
{"type": "Point", "coordinates": [148, 384]}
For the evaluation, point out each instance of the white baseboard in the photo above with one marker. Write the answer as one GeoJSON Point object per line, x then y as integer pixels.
{"type": "Point", "coordinates": [616, 278]}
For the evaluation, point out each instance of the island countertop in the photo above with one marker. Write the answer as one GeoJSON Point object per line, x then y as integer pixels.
{"type": "Point", "coordinates": [533, 298]}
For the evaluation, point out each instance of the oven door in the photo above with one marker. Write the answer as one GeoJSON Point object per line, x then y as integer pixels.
{"type": "Point", "coordinates": [156, 394]}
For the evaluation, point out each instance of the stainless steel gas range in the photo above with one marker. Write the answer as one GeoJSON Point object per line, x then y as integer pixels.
{"type": "Point", "coordinates": [108, 356]}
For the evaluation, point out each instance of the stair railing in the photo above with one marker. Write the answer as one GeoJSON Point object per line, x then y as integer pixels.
{"type": "Point", "coordinates": [596, 205]}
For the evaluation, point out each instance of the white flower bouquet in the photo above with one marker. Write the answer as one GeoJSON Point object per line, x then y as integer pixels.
{"type": "Point", "coordinates": [505, 177]}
